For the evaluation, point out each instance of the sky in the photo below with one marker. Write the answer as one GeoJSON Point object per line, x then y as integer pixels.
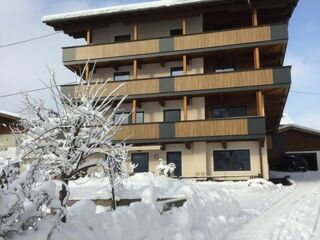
{"type": "Point", "coordinates": [24, 66]}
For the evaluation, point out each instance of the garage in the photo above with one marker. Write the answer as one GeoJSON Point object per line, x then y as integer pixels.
{"type": "Point", "coordinates": [293, 139]}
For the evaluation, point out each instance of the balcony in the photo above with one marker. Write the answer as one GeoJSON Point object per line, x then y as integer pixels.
{"type": "Point", "coordinates": [195, 84]}
{"type": "Point", "coordinates": [187, 44]}
{"type": "Point", "coordinates": [197, 130]}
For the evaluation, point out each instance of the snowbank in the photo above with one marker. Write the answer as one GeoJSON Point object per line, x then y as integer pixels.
{"type": "Point", "coordinates": [212, 210]}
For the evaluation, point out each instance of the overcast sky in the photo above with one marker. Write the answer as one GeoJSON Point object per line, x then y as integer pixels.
{"type": "Point", "coordinates": [24, 66]}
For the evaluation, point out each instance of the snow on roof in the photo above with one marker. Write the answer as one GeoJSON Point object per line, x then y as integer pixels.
{"type": "Point", "coordinates": [286, 119]}
{"type": "Point", "coordinates": [121, 9]}
{"type": "Point", "coordinates": [9, 114]}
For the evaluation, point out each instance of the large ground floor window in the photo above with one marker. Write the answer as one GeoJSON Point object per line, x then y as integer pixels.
{"type": "Point", "coordinates": [141, 160]}
{"type": "Point", "coordinates": [231, 160]}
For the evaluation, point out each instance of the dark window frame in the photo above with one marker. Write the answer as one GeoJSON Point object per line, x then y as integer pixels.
{"type": "Point", "coordinates": [119, 74]}
{"type": "Point", "coordinates": [122, 38]}
{"type": "Point", "coordinates": [176, 69]}
{"type": "Point", "coordinates": [171, 110]}
{"type": "Point", "coordinates": [124, 113]}
{"type": "Point", "coordinates": [141, 153]}
{"type": "Point", "coordinates": [216, 165]}
{"type": "Point", "coordinates": [224, 68]}
{"type": "Point", "coordinates": [176, 32]}
{"type": "Point", "coordinates": [228, 108]}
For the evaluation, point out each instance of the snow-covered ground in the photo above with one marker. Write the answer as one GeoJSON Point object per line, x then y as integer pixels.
{"type": "Point", "coordinates": [254, 209]}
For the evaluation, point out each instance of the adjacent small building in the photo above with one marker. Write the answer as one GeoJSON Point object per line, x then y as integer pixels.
{"type": "Point", "coordinates": [7, 123]}
{"type": "Point", "coordinates": [205, 78]}
{"type": "Point", "coordinates": [297, 140]}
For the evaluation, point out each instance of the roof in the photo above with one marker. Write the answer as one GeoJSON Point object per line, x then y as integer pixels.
{"type": "Point", "coordinates": [9, 115]}
{"type": "Point", "coordinates": [300, 128]}
{"type": "Point", "coordinates": [122, 9]}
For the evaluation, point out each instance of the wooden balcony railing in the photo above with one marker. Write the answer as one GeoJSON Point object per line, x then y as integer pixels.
{"type": "Point", "coordinates": [144, 88]}
{"type": "Point", "coordinates": [179, 44]}
{"type": "Point", "coordinates": [196, 130]}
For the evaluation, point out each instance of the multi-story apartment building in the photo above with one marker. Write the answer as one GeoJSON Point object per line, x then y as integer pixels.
{"type": "Point", "coordinates": [205, 78]}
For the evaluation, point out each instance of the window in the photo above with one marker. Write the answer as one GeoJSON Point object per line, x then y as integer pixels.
{"type": "Point", "coordinates": [141, 160]}
{"type": "Point", "coordinates": [125, 115]}
{"type": "Point", "coordinates": [176, 32]}
{"type": "Point", "coordinates": [176, 71]}
{"type": "Point", "coordinates": [121, 76]}
{"type": "Point", "coordinates": [122, 38]}
{"type": "Point", "coordinates": [171, 115]}
{"type": "Point", "coordinates": [232, 160]}
{"type": "Point", "coordinates": [140, 117]}
{"type": "Point", "coordinates": [221, 69]}
{"type": "Point", "coordinates": [224, 112]}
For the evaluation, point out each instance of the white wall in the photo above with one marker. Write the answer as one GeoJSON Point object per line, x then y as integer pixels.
{"type": "Point", "coordinates": [153, 111]}
{"type": "Point", "coordinates": [252, 146]}
{"type": "Point", "coordinates": [153, 70]}
{"type": "Point", "coordinates": [146, 30]}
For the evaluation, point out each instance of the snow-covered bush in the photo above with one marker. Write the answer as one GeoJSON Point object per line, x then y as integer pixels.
{"type": "Point", "coordinates": [164, 169]}
{"type": "Point", "coordinates": [24, 203]}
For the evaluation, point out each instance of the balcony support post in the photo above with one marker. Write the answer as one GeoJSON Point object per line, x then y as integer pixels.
{"type": "Point", "coordinates": [135, 69]}
{"type": "Point", "coordinates": [185, 108]}
{"type": "Point", "coordinates": [134, 111]}
{"type": "Point", "coordinates": [88, 37]}
{"type": "Point", "coordinates": [261, 145]}
{"type": "Point", "coordinates": [135, 31]}
{"type": "Point", "coordinates": [254, 15]}
{"type": "Point", "coordinates": [87, 72]}
{"type": "Point", "coordinates": [256, 53]}
{"type": "Point", "coordinates": [185, 64]}
{"type": "Point", "coordinates": [260, 104]}
{"type": "Point", "coordinates": [184, 26]}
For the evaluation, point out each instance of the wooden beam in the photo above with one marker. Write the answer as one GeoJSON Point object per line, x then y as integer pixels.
{"type": "Point", "coordinates": [256, 53]}
{"type": "Point", "coordinates": [184, 25]}
{"type": "Point", "coordinates": [162, 102]}
{"type": "Point", "coordinates": [185, 108]}
{"type": "Point", "coordinates": [87, 72]}
{"type": "Point", "coordinates": [254, 16]}
{"type": "Point", "coordinates": [134, 111]}
{"type": "Point", "coordinates": [224, 144]}
{"type": "Point", "coordinates": [135, 31]}
{"type": "Point", "coordinates": [163, 147]}
{"type": "Point", "coordinates": [135, 69]}
{"type": "Point", "coordinates": [185, 64]}
{"type": "Point", "coordinates": [260, 103]}
{"type": "Point", "coordinates": [188, 145]}
{"type": "Point", "coordinates": [88, 37]}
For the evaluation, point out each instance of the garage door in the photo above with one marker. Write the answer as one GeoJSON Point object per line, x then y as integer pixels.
{"type": "Point", "coordinates": [311, 158]}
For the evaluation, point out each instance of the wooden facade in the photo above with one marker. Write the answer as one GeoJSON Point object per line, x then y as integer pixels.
{"type": "Point", "coordinates": [190, 83]}
{"type": "Point", "coordinates": [180, 43]}
{"type": "Point", "coordinates": [192, 129]}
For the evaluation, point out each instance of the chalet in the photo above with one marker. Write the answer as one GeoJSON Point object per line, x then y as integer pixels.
{"type": "Point", "coordinates": [205, 79]}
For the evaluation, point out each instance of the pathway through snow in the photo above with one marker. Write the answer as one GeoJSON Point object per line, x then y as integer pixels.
{"type": "Point", "coordinates": [296, 216]}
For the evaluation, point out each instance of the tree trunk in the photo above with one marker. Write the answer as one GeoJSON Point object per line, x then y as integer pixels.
{"type": "Point", "coordinates": [113, 199]}
{"type": "Point", "coordinates": [62, 196]}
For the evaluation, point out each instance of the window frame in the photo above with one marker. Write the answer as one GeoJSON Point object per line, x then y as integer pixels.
{"type": "Point", "coordinates": [171, 110]}
{"type": "Point", "coordinates": [232, 150]}
{"type": "Point", "coordinates": [142, 116]}
{"type": "Point", "coordinates": [176, 32]}
{"type": "Point", "coordinates": [172, 69]}
{"type": "Point", "coordinates": [116, 38]}
{"type": "Point", "coordinates": [124, 73]}
{"type": "Point", "coordinates": [228, 108]}
{"type": "Point", "coordinates": [124, 113]}
{"type": "Point", "coordinates": [224, 68]}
